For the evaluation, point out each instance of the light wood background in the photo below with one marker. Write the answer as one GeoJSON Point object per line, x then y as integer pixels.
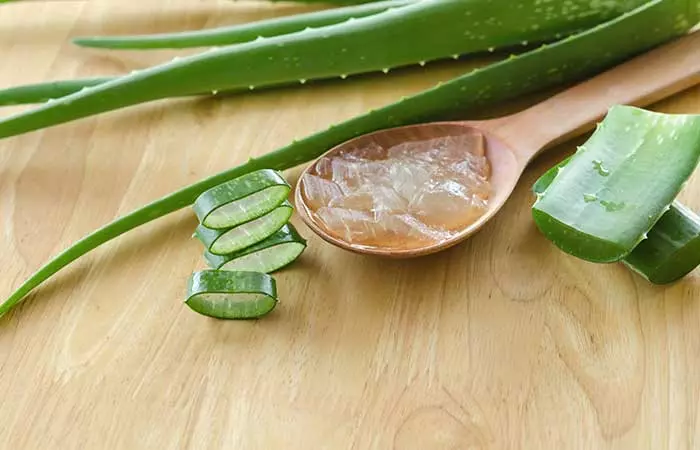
{"type": "Point", "coordinates": [500, 343]}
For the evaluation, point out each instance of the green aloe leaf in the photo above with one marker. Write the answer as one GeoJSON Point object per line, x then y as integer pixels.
{"type": "Point", "coordinates": [376, 43]}
{"type": "Point", "coordinates": [672, 247]}
{"type": "Point", "coordinates": [237, 34]}
{"type": "Point", "coordinates": [610, 194]}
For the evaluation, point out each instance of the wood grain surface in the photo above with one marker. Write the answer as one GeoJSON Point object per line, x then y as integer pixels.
{"type": "Point", "coordinates": [500, 343]}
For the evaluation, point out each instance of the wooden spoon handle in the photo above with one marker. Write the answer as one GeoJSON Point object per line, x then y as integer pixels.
{"type": "Point", "coordinates": [641, 81]}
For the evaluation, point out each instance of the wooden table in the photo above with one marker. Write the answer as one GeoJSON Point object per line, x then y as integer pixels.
{"type": "Point", "coordinates": [503, 342]}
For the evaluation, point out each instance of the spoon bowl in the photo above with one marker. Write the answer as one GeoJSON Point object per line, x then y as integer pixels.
{"type": "Point", "coordinates": [505, 169]}
{"type": "Point", "coordinates": [511, 142]}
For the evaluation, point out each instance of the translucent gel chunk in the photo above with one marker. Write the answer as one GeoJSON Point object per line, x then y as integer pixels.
{"type": "Point", "coordinates": [408, 176]}
{"type": "Point", "coordinates": [352, 175]}
{"type": "Point", "coordinates": [362, 200]}
{"type": "Point", "coordinates": [406, 196]}
{"type": "Point", "coordinates": [405, 225]}
{"type": "Point", "coordinates": [351, 225]}
{"type": "Point", "coordinates": [386, 199]}
{"type": "Point", "coordinates": [446, 204]}
{"type": "Point", "coordinates": [319, 191]}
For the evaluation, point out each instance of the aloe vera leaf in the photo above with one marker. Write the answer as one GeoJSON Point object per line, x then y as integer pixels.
{"type": "Point", "coordinates": [242, 199]}
{"type": "Point", "coordinates": [51, 90]}
{"type": "Point", "coordinates": [568, 60]}
{"type": "Point", "coordinates": [267, 256]}
{"type": "Point", "coordinates": [672, 247]}
{"type": "Point", "coordinates": [44, 92]}
{"type": "Point", "coordinates": [240, 33]}
{"type": "Point", "coordinates": [602, 204]}
{"type": "Point", "coordinates": [370, 44]}
{"type": "Point", "coordinates": [231, 295]}
{"type": "Point", "coordinates": [223, 242]}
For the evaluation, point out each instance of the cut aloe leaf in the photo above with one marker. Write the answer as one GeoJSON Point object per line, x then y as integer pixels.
{"type": "Point", "coordinates": [267, 256]}
{"type": "Point", "coordinates": [231, 295]}
{"type": "Point", "coordinates": [242, 199]}
{"type": "Point", "coordinates": [610, 194]}
{"type": "Point", "coordinates": [546, 178]}
{"type": "Point", "coordinates": [223, 242]}
{"type": "Point", "coordinates": [672, 248]}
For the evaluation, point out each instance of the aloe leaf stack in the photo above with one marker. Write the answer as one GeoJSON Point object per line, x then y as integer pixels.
{"type": "Point", "coordinates": [376, 43]}
{"type": "Point", "coordinates": [244, 228]}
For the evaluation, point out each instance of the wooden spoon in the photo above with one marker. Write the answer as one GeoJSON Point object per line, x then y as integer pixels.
{"type": "Point", "coordinates": [513, 141]}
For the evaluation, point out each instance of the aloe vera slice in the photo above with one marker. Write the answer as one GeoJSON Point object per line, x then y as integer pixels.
{"type": "Point", "coordinates": [267, 256]}
{"type": "Point", "coordinates": [603, 203]}
{"type": "Point", "coordinates": [223, 242]}
{"type": "Point", "coordinates": [231, 295]}
{"type": "Point", "coordinates": [672, 250]}
{"type": "Point", "coordinates": [672, 247]}
{"type": "Point", "coordinates": [241, 199]}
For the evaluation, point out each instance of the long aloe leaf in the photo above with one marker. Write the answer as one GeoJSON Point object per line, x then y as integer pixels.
{"type": "Point", "coordinates": [672, 247]}
{"type": "Point", "coordinates": [49, 91]}
{"type": "Point", "coordinates": [45, 92]}
{"type": "Point", "coordinates": [375, 43]}
{"type": "Point", "coordinates": [606, 199]}
{"type": "Point", "coordinates": [569, 60]}
{"type": "Point", "coordinates": [236, 34]}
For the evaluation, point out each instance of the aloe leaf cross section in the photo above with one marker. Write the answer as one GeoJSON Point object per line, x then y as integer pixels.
{"type": "Point", "coordinates": [242, 199]}
{"type": "Point", "coordinates": [267, 256]}
{"type": "Point", "coordinates": [231, 295]}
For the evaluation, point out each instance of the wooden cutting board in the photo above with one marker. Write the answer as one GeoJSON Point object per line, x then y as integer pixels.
{"type": "Point", "coordinates": [503, 342]}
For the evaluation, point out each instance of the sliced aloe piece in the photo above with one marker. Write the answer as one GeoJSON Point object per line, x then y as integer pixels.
{"type": "Point", "coordinates": [231, 295]}
{"type": "Point", "coordinates": [610, 194]}
{"type": "Point", "coordinates": [672, 247]}
{"type": "Point", "coordinates": [672, 250]}
{"type": "Point", "coordinates": [241, 199]}
{"type": "Point", "coordinates": [223, 242]}
{"type": "Point", "coordinates": [266, 256]}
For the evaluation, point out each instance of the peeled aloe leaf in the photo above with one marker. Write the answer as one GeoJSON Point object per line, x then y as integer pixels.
{"type": "Point", "coordinates": [672, 247]}
{"type": "Point", "coordinates": [604, 202]}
